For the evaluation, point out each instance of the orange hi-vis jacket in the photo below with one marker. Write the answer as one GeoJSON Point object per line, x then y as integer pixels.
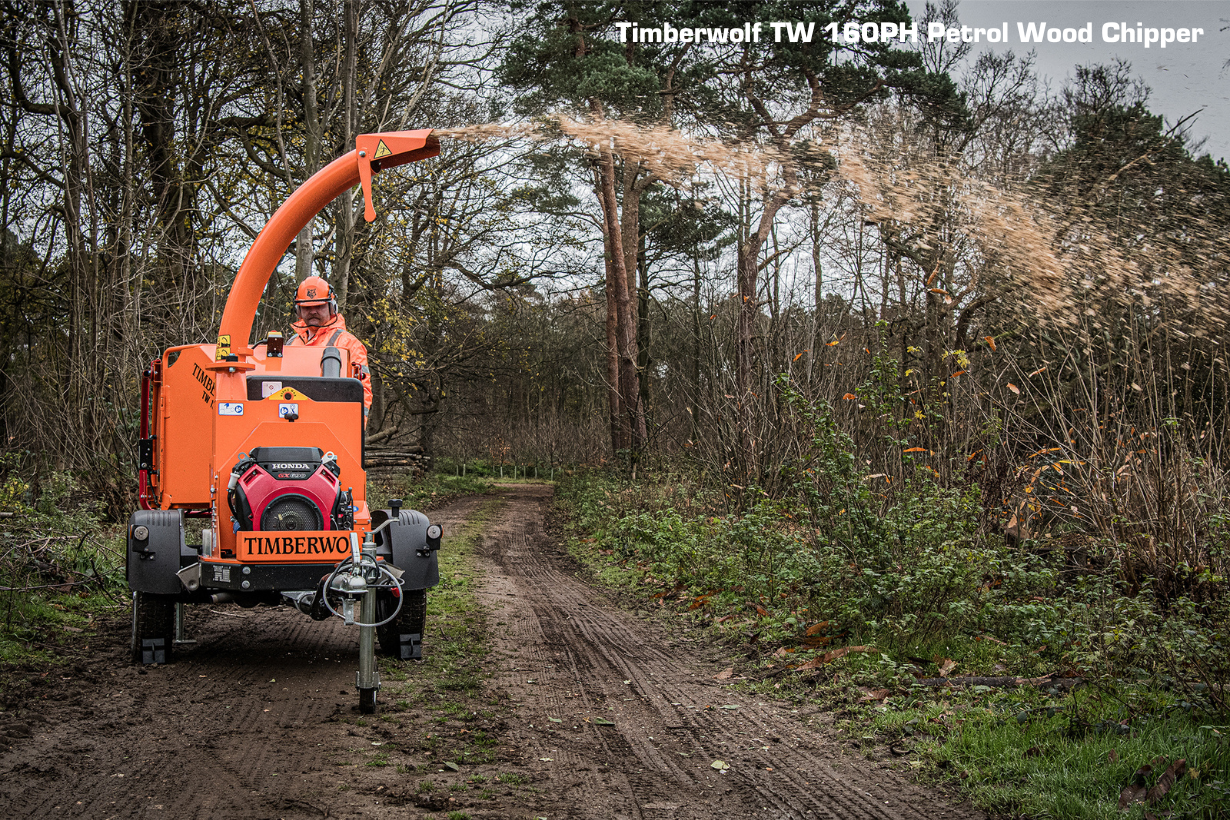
{"type": "Point", "coordinates": [335, 334]}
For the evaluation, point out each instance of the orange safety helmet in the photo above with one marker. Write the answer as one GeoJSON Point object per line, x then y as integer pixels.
{"type": "Point", "coordinates": [315, 291]}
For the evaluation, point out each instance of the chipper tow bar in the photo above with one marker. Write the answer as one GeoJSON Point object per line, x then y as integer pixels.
{"type": "Point", "coordinates": [356, 581]}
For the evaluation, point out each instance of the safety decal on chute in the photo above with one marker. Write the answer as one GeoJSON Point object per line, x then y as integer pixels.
{"type": "Point", "coordinates": [224, 348]}
{"type": "Point", "coordinates": [382, 151]}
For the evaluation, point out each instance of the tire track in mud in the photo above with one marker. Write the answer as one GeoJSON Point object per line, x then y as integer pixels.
{"type": "Point", "coordinates": [211, 735]}
{"type": "Point", "coordinates": [244, 724]}
{"type": "Point", "coordinates": [575, 658]}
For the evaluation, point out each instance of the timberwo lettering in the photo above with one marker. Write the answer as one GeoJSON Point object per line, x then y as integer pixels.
{"type": "Point", "coordinates": [297, 545]}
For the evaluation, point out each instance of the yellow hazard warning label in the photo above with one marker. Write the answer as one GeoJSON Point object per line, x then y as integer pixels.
{"type": "Point", "coordinates": [286, 394]}
{"type": "Point", "coordinates": [224, 348]}
{"type": "Point", "coordinates": [382, 151]}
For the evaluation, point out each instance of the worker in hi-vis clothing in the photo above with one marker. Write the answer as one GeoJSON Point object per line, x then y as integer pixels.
{"type": "Point", "coordinates": [320, 325]}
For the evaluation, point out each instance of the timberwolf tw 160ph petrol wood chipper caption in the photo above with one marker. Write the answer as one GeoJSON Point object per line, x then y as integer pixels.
{"type": "Point", "coordinates": [266, 442]}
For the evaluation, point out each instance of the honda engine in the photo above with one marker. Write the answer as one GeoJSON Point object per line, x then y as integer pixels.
{"type": "Point", "coordinates": [289, 488]}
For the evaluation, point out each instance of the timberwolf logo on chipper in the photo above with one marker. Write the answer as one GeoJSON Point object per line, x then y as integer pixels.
{"type": "Point", "coordinates": [298, 545]}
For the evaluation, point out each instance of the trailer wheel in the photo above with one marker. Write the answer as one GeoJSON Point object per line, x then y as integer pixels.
{"type": "Point", "coordinates": [410, 621]}
{"type": "Point", "coordinates": [153, 619]}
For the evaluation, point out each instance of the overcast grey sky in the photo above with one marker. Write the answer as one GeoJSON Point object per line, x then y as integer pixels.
{"type": "Point", "coordinates": [1184, 77]}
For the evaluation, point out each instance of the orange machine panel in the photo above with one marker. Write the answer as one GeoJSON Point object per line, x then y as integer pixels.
{"type": "Point", "coordinates": [181, 418]}
{"type": "Point", "coordinates": [283, 402]}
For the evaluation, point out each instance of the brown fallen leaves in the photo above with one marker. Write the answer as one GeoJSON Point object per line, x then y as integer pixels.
{"type": "Point", "coordinates": [875, 695]}
{"type": "Point", "coordinates": [1139, 791]}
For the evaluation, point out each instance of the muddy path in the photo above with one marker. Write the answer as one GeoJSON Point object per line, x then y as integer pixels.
{"type": "Point", "coordinates": [584, 710]}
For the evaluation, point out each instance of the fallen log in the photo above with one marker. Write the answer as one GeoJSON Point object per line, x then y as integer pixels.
{"type": "Point", "coordinates": [377, 459]}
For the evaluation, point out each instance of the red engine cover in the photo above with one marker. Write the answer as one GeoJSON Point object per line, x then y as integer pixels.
{"type": "Point", "coordinates": [261, 489]}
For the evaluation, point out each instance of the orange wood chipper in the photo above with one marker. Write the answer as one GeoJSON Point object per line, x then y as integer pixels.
{"type": "Point", "coordinates": [265, 444]}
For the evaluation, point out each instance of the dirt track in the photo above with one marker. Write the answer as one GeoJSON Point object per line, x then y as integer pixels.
{"type": "Point", "coordinates": [258, 720]}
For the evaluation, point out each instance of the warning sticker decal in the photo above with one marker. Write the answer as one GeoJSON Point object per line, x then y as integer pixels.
{"type": "Point", "coordinates": [382, 151]}
{"type": "Point", "coordinates": [285, 394]}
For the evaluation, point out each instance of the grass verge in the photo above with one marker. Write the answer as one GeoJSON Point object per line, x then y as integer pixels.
{"type": "Point", "coordinates": [450, 676]}
{"type": "Point", "coordinates": [61, 569]}
{"type": "Point", "coordinates": [1086, 697]}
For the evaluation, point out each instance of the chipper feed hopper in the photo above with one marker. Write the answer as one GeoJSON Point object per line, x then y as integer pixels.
{"type": "Point", "coordinates": [265, 443]}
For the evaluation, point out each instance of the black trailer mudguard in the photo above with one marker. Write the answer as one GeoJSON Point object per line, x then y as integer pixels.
{"type": "Point", "coordinates": [153, 560]}
{"type": "Point", "coordinates": [405, 544]}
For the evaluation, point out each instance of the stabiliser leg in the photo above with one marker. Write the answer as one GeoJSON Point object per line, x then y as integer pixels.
{"type": "Point", "coordinates": [368, 677]}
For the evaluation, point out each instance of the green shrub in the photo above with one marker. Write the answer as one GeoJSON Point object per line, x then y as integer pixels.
{"type": "Point", "coordinates": [904, 567]}
{"type": "Point", "coordinates": [56, 556]}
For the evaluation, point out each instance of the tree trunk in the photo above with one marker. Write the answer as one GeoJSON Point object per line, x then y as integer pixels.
{"type": "Point", "coordinates": [817, 267]}
{"type": "Point", "coordinates": [629, 375]}
{"type": "Point", "coordinates": [345, 228]}
{"type": "Point", "coordinates": [632, 414]}
{"type": "Point", "coordinates": [696, 344]}
{"type": "Point", "coordinates": [643, 362]}
{"type": "Point", "coordinates": [745, 339]}
{"type": "Point", "coordinates": [159, 45]}
{"type": "Point", "coordinates": [630, 229]}
{"type": "Point", "coordinates": [747, 258]}
{"type": "Point", "coordinates": [304, 254]}
{"type": "Point", "coordinates": [619, 439]}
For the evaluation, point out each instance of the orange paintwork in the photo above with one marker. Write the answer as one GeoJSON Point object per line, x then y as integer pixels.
{"type": "Point", "coordinates": [183, 410]}
{"type": "Point", "coordinates": [335, 427]}
{"type": "Point", "coordinates": [195, 446]}
{"type": "Point", "coordinates": [185, 401]}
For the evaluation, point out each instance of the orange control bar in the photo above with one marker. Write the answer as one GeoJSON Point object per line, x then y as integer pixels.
{"type": "Point", "coordinates": [372, 153]}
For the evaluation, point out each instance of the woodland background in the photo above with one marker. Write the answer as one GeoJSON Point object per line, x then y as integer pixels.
{"type": "Point", "coordinates": [942, 269]}
{"type": "Point", "coordinates": [878, 361]}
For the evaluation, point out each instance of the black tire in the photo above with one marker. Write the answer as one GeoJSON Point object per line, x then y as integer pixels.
{"type": "Point", "coordinates": [153, 616]}
{"type": "Point", "coordinates": [367, 701]}
{"type": "Point", "coordinates": [411, 620]}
